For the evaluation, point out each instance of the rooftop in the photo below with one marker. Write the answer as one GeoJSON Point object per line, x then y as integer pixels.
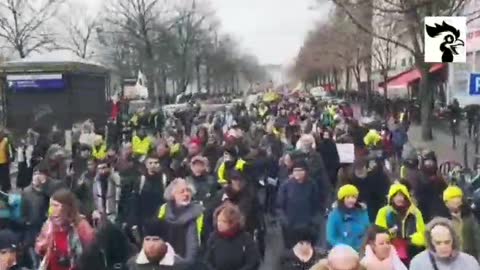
{"type": "Point", "coordinates": [58, 60]}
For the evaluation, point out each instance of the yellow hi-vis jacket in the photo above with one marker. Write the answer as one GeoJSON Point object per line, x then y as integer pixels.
{"type": "Point", "coordinates": [162, 214]}
{"type": "Point", "coordinates": [372, 139]}
{"type": "Point", "coordinates": [141, 146]}
{"type": "Point", "coordinates": [222, 174]}
{"type": "Point", "coordinates": [411, 227]}
{"type": "Point", "coordinates": [99, 153]}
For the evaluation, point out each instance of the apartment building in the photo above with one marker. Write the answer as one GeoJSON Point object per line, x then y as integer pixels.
{"type": "Point", "coordinates": [459, 74]}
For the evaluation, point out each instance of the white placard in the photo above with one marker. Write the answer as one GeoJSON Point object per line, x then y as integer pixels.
{"type": "Point", "coordinates": [346, 152]}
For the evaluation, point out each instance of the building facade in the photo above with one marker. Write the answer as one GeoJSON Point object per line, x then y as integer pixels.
{"type": "Point", "coordinates": [459, 73]}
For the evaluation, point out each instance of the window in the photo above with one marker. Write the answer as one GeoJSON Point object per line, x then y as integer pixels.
{"type": "Point", "coordinates": [411, 61]}
{"type": "Point", "coordinates": [404, 62]}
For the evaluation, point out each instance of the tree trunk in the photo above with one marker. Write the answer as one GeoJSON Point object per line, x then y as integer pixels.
{"type": "Point", "coordinates": [426, 99]}
{"type": "Point", "coordinates": [197, 71]}
{"type": "Point", "coordinates": [385, 92]}
{"type": "Point", "coordinates": [207, 79]}
{"type": "Point", "coordinates": [347, 78]}
{"type": "Point", "coordinates": [335, 78]}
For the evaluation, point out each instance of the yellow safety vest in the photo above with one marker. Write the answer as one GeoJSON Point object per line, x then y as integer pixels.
{"type": "Point", "coordinates": [134, 120]}
{"type": "Point", "coordinates": [239, 166]}
{"type": "Point", "coordinates": [162, 214]}
{"type": "Point", "coordinates": [4, 151]}
{"type": "Point", "coordinates": [99, 153]}
{"type": "Point", "coordinates": [141, 147]}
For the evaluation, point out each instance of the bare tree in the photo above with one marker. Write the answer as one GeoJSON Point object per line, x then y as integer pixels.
{"type": "Point", "coordinates": [331, 48]}
{"type": "Point", "coordinates": [142, 24]}
{"type": "Point", "coordinates": [409, 14]}
{"type": "Point", "coordinates": [189, 29]}
{"type": "Point", "coordinates": [383, 56]}
{"type": "Point", "coordinates": [80, 31]}
{"type": "Point", "coordinates": [23, 24]}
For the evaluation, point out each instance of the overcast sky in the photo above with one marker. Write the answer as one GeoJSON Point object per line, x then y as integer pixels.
{"type": "Point", "coordinates": [273, 30]}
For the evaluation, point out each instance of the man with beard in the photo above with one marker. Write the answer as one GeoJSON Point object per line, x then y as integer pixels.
{"type": "Point", "coordinates": [147, 195]}
{"type": "Point", "coordinates": [429, 193]}
{"type": "Point", "coordinates": [106, 192]}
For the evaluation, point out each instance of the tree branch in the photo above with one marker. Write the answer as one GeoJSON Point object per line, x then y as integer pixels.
{"type": "Point", "coordinates": [368, 31]}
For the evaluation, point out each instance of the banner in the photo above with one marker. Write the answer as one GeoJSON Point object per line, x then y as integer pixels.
{"type": "Point", "coordinates": [36, 82]}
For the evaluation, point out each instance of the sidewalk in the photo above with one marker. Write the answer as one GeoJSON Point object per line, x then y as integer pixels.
{"type": "Point", "coordinates": [442, 145]}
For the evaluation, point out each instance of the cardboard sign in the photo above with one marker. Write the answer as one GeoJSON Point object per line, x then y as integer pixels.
{"type": "Point", "coordinates": [346, 152]}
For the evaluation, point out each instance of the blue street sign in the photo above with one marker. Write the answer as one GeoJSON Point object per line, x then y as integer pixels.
{"type": "Point", "coordinates": [474, 84]}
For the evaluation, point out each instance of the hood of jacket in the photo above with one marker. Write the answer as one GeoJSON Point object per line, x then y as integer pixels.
{"type": "Point", "coordinates": [185, 214]}
{"type": "Point", "coordinates": [168, 259]}
{"type": "Point", "coordinates": [446, 223]}
{"type": "Point", "coordinates": [394, 189]}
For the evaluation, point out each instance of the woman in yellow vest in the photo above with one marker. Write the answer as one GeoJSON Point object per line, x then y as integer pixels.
{"type": "Point", "coordinates": [184, 219]}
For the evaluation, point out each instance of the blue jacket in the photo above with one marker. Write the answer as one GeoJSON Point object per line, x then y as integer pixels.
{"type": "Point", "coordinates": [298, 203]}
{"type": "Point", "coordinates": [347, 228]}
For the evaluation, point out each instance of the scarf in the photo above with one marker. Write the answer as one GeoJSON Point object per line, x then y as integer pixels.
{"type": "Point", "coordinates": [392, 262]}
{"type": "Point", "coordinates": [230, 233]}
{"type": "Point", "coordinates": [75, 247]}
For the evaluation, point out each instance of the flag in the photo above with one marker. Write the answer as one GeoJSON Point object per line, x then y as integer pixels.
{"type": "Point", "coordinates": [141, 86]}
{"type": "Point", "coordinates": [141, 81]}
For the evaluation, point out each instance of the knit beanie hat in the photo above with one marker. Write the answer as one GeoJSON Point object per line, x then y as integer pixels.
{"type": "Point", "coordinates": [155, 227]}
{"type": "Point", "coordinates": [300, 163]}
{"type": "Point", "coordinates": [347, 191]}
{"type": "Point", "coordinates": [452, 192]}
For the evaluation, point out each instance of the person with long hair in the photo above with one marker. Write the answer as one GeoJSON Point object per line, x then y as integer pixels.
{"type": "Point", "coordinates": [379, 253]}
{"type": "Point", "coordinates": [64, 235]}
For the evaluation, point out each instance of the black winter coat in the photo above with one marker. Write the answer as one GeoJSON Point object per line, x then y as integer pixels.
{"type": "Point", "coordinates": [289, 261]}
{"type": "Point", "coordinates": [237, 253]}
{"type": "Point", "coordinates": [246, 201]}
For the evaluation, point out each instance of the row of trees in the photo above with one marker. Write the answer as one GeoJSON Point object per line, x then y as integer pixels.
{"type": "Point", "coordinates": [362, 32]}
{"type": "Point", "coordinates": [176, 42]}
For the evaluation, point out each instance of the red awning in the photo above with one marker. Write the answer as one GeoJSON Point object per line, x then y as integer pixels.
{"type": "Point", "coordinates": [406, 78]}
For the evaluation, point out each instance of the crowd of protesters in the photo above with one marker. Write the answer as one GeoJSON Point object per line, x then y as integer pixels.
{"type": "Point", "coordinates": [200, 190]}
